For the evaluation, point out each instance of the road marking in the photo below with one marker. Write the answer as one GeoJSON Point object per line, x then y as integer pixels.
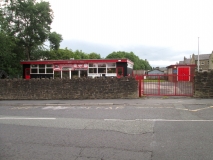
{"type": "Point", "coordinates": [55, 108]}
{"type": "Point", "coordinates": [153, 107]}
{"type": "Point", "coordinates": [195, 110]}
{"type": "Point", "coordinates": [178, 120]}
{"type": "Point", "coordinates": [159, 120]}
{"type": "Point", "coordinates": [23, 107]}
{"type": "Point", "coordinates": [16, 118]}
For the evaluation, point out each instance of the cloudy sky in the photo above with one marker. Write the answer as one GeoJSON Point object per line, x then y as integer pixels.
{"type": "Point", "coordinates": [161, 31]}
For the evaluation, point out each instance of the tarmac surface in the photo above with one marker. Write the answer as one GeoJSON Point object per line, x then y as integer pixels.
{"type": "Point", "coordinates": [150, 128]}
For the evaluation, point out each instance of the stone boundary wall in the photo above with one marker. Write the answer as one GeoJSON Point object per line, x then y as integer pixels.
{"type": "Point", "coordinates": [203, 84]}
{"type": "Point", "coordinates": [55, 89]}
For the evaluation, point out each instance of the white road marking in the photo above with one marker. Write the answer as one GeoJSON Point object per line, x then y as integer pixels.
{"type": "Point", "coordinates": [21, 118]}
{"type": "Point", "coordinates": [55, 108]}
{"type": "Point", "coordinates": [160, 120]}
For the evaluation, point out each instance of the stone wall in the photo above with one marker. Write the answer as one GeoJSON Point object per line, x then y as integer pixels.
{"type": "Point", "coordinates": [203, 85]}
{"type": "Point", "coordinates": [82, 88]}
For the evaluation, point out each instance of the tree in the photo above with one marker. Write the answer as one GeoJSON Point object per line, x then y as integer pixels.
{"type": "Point", "coordinates": [55, 39]}
{"type": "Point", "coordinates": [28, 21]}
{"type": "Point", "coordinates": [138, 63]}
{"type": "Point", "coordinates": [94, 56]}
{"type": "Point", "coordinates": [9, 58]}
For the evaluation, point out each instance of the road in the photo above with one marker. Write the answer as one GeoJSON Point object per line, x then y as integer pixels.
{"type": "Point", "coordinates": [134, 129]}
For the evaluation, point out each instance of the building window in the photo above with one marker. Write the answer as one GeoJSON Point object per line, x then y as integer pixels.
{"type": "Point", "coordinates": [41, 68]}
{"type": "Point", "coordinates": [111, 70]}
{"type": "Point", "coordinates": [202, 63]}
{"type": "Point", "coordinates": [49, 70]}
{"type": "Point", "coordinates": [92, 70]}
{"type": "Point", "coordinates": [101, 70]}
{"type": "Point", "coordinates": [102, 65]}
{"type": "Point", "coordinates": [57, 74]}
{"type": "Point", "coordinates": [34, 70]}
{"type": "Point", "coordinates": [111, 65]}
{"type": "Point", "coordinates": [92, 65]}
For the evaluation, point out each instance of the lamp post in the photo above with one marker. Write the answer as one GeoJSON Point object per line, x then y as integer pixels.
{"type": "Point", "coordinates": [198, 58]}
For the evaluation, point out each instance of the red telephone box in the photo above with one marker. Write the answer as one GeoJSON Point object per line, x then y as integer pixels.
{"type": "Point", "coordinates": [27, 73]}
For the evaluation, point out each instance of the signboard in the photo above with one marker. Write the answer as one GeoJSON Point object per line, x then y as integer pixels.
{"type": "Point", "coordinates": [59, 67]}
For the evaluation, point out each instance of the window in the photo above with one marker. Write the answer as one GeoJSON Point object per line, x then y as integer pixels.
{"type": "Point", "coordinates": [92, 70]}
{"type": "Point", "coordinates": [49, 66]}
{"type": "Point", "coordinates": [57, 74]}
{"type": "Point", "coordinates": [111, 70]}
{"type": "Point", "coordinates": [102, 65]}
{"type": "Point", "coordinates": [111, 65]}
{"type": "Point", "coordinates": [101, 70]}
{"type": "Point", "coordinates": [34, 68]}
{"type": "Point", "coordinates": [49, 70]}
{"type": "Point", "coordinates": [92, 65]}
{"type": "Point", "coordinates": [41, 68]}
{"type": "Point", "coordinates": [202, 63]}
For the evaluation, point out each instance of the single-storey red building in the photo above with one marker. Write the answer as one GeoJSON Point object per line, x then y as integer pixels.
{"type": "Point", "coordinates": [77, 68]}
{"type": "Point", "coordinates": [181, 72]}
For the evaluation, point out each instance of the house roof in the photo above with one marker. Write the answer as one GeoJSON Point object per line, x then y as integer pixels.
{"type": "Point", "coordinates": [202, 56]}
{"type": "Point", "coordinates": [187, 61]}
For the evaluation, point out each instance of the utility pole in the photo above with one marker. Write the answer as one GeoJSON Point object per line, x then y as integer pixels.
{"type": "Point", "coordinates": [198, 58]}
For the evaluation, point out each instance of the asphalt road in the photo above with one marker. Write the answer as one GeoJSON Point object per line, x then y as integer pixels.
{"type": "Point", "coordinates": [135, 129]}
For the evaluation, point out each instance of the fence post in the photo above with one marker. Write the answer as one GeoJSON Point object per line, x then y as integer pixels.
{"type": "Point", "coordinates": [140, 77]}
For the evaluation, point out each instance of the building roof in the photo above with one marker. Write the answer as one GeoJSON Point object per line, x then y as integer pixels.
{"type": "Point", "coordinates": [77, 61]}
{"type": "Point", "coordinates": [186, 61]}
{"type": "Point", "coordinates": [181, 65]}
{"type": "Point", "coordinates": [202, 56]}
{"type": "Point", "coordinates": [181, 62]}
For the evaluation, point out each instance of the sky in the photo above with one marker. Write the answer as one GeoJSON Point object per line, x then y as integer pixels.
{"type": "Point", "coordinates": [161, 31]}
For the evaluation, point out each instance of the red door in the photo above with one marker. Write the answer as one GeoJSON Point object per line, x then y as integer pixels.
{"type": "Point", "coordinates": [120, 72]}
{"type": "Point", "coordinates": [183, 74]}
{"type": "Point", "coordinates": [27, 73]}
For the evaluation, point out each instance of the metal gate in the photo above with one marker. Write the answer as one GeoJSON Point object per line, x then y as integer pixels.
{"type": "Point", "coordinates": [166, 85]}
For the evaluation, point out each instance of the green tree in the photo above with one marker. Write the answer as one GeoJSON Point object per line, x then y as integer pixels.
{"type": "Point", "coordinates": [94, 56]}
{"type": "Point", "coordinates": [9, 58]}
{"type": "Point", "coordinates": [80, 55]}
{"type": "Point", "coordinates": [29, 21]}
{"type": "Point", "coordinates": [138, 63]}
{"type": "Point", "coordinates": [55, 39]}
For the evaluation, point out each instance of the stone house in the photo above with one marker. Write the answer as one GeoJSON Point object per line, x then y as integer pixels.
{"type": "Point", "coordinates": [206, 61]}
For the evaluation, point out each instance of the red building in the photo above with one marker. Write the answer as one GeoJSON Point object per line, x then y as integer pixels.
{"type": "Point", "coordinates": [77, 68]}
{"type": "Point", "coordinates": [181, 72]}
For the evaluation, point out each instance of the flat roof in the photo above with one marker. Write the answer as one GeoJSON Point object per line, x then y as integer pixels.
{"type": "Point", "coordinates": [181, 65]}
{"type": "Point", "coordinates": [77, 61]}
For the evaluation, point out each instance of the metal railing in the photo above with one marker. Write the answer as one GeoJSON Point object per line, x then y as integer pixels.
{"type": "Point", "coordinates": [166, 85]}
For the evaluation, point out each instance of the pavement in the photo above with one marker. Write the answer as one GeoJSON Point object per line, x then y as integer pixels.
{"type": "Point", "coordinates": [92, 102]}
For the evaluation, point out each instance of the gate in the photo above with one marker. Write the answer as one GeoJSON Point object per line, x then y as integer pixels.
{"type": "Point", "coordinates": [166, 85]}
